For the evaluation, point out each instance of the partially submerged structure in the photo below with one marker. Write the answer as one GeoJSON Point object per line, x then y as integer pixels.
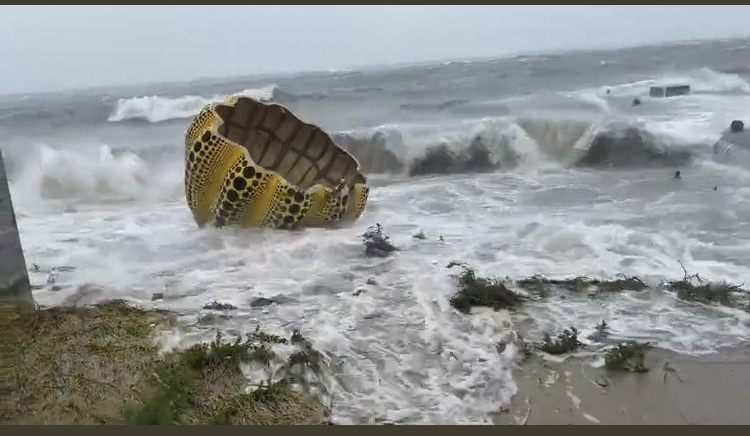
{"type": "Point", "coordinates": [734, 145]}
{"type": "Point", "coordinates": [671, 90]}
{"type": "Point", "coordinates": [14, 277]}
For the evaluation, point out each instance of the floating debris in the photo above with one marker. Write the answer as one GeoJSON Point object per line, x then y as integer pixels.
{"type": "Point", "coordinates": [582, 284]}
{"type": "Point", "coordinates": [453, 263]}
{"type": "Point", "coordinates": [262, 302]}
{"type": "Point", "coordinates": [601, 332]}
{"type": "Point", "coordinates": [52, 278]}
{"type": "Point", "coordinates": [377, 243]}
{"type": "Point", "coordinates": [693, 288]}
{"type": "Point", "coordinates": [500, 347]}
{"type": "Point", "coordinates": [215, 305]}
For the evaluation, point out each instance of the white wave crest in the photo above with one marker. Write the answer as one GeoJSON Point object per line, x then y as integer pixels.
{"type": "Point", "coordinates": [155, 109]}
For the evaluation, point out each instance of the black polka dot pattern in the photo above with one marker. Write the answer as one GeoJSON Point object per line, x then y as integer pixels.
{"type": "Point", "coordinates": [249, 194]}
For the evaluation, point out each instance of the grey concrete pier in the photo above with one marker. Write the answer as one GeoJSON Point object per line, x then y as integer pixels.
{"type": "Point", "coordinates": [14, 277]}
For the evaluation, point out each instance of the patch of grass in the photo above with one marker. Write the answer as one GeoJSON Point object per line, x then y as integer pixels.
{"type": "Point", "coordinates": [566, 342]}
{"type": "Point", "coordinates": [269, 404]}
{"type": "Point", "coordinates": [101, 365]}
{"type": "Point", "coordinates": [482, 291]}
{"type": "Point", "coordinates": [75, 365]}
{"type": "Point", "coordinates": [205, 384]}
{"type": "Point", "coordinates": [627, 357]}
{"type": "Point", "coordinates": [542, 285]}
{"type": "Point", "coordinates": [692, 288]}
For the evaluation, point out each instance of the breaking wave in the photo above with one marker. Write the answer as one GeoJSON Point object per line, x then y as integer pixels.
{"type": "Point", "coordinates": [156, 171]}
{"type": "Point", "coordinates": [708, 80]}
{"type": "Point", "coordinates": [155, 109]}
{"type": "Point", "coordinates": [102, 175]}
{"type": "Point", "coordinates": [84, 174]}
{"type": "Point", "coordinates": [511, 143]}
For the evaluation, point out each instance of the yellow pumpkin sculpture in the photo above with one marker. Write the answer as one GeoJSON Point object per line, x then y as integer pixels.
{"type": "Point", "coordinates": [255, 164]}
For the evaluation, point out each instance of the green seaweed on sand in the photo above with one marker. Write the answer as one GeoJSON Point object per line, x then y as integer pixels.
{"type": "Point", "coordinates": [565, 342]}
{"type": "Point", "coordinates": [627, 357]}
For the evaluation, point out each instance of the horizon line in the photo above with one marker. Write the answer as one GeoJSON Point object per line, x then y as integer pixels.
{"type": "Point", "coordinates": [374, 66]}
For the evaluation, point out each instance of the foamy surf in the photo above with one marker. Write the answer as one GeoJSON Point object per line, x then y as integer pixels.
{"type": "Point", "coordinates": [400, 352]}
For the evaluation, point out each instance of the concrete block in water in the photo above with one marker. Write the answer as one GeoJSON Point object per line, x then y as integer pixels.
{"type": "Point", "coordinates": [669, 90]}
{"type": "Point", "coordinates": [733, 148]}
{"type": "Point", "coordinates": [14, 277]}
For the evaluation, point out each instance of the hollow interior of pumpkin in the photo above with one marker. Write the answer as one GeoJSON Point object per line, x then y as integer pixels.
{"type": "Point", "coordinates": [278, 141]}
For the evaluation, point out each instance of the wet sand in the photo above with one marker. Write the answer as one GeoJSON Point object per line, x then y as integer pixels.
{"type": "Point", "coordinates": [713, 389]}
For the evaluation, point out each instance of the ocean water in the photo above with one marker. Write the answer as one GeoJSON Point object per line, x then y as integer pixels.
{"type": "Point", "coordinates": [97, 184]}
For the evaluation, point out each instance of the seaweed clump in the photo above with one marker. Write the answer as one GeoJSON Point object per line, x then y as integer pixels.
{"type": "Point", "coordinates": [693, 288]}
{"type": "Point", "coordinates": [542, 285]}
{"type": "Point", "coordinates": [627, 357]}
{"type": "Point", "coordinates": [482, 291]}
{"type": "Point", "coordinates": [565, 342]}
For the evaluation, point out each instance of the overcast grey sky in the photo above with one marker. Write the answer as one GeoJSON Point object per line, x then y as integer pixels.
{"type": "Point", "coordinates": [54, 47]}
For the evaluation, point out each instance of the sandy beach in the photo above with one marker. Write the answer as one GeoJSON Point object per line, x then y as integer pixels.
{"type": "Point", "coordinates": [712, 389]}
